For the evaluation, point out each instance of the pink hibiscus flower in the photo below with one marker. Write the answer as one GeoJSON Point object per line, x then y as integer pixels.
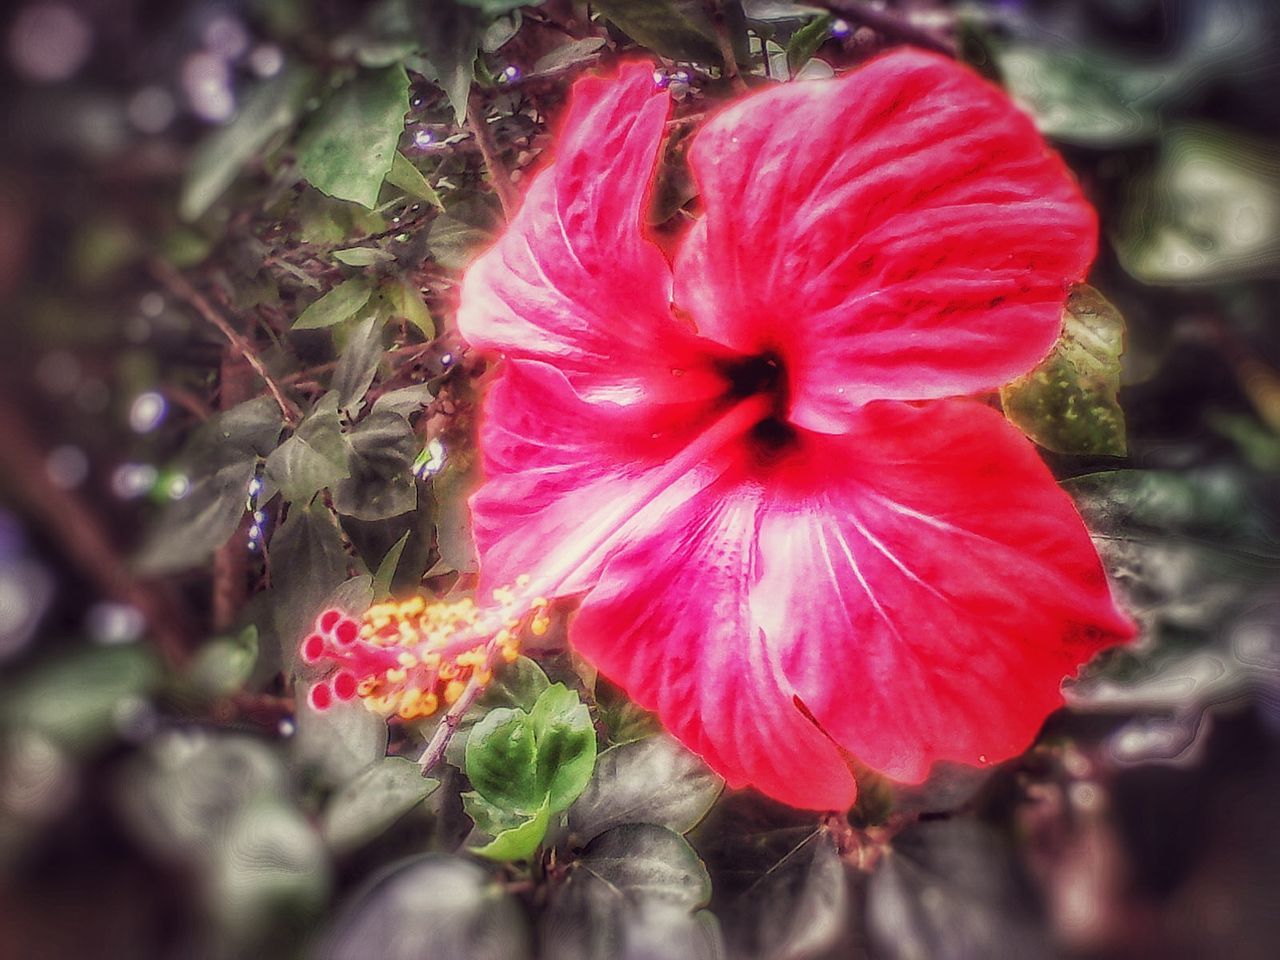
{"type": "Point", "coordinates": [790, 538]}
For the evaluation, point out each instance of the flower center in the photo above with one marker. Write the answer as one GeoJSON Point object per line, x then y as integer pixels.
{"type": "Point", "coordinates": [764, 374]}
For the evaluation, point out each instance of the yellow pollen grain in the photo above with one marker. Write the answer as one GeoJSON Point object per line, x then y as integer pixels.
{"type": "Point", "coordinates": [407, 660]}
{"type": "Point", "coordinates": [396, 676]}
{"type": "Point", "coordinates": [453, 691]}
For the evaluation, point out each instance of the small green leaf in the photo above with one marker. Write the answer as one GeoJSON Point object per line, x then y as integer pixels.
{"type": "Point", "coordinates": [404, 402]}
{"type": "Point", "coordinates": [337, 306]}
{"type": "Point", "coordinates": [804, 43]}
{"type": "Point", "coordinates": [387, 568]}
{"type": "Point", "coordinates": [358, 362]}
{"type": "Point", "coordinates": [408, 178]}
{"type": "Point", "coordinates": [648, 781]}
{"type": "Point", "coordinates": [454, 242]}
{"type": "Point", "coordinates": [407, 302]}
{"type": "Point", "coordinates": [568, 55]}
{"type": "Point", "coordinates": [349, 144]}
{"type": "Point", "coordinates": [268, 110]}
{"type": "Point", "coordinates": [519, 842]}
{"type": "Point", "coordinates": [362, 256]}
{"type": "Point", "coordinates": [451, 40]}
{"type": "Point", "coordinates": [566, 745]}
{"type": "Point", "coordinates": [516, 684]}
{"type": "Point", "coordinates": [1069, 403]}
{"type": "Point", "coordinates": [502, 756]}
{"type": "Point", "coordinates": [518, 761]}
{"type": "Point", "coordinates": [373, 800]}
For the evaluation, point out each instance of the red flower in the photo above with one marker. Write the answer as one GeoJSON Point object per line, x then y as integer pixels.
{"type": "Point", "coordinates": [789, 540]}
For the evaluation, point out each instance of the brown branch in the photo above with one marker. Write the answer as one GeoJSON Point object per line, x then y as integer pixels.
{"type": "Point", "coordinates": [179, 286]}
{"type": "Point", "coordinates": [888, 24]}
{"type": "Point", "coordinates": [82, 537]}
{"type": "Point", "coordinates": [498, 175]}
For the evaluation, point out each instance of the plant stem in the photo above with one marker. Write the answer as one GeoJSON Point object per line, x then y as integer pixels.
{"type": "Point", "coordinates": [179, 286]}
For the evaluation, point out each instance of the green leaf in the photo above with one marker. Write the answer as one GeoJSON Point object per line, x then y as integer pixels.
{"type": "Point", "coordinates": [358, 362]}
{"type": "Point", "coordinates": [648, 781]}
{"type": "Point", "coordinates": [404, 402]}
{"type": "Point", "coordinates": [407, 302]}
{"type": "Point", "coordinates": [362, 256]}
{"type": "Point", "coordinates": [516, 684]}
{"type": "Point", "coordinates": [804, 43]}
{"type": "Point", "coordinates": [337, 306]}
{"type": "Point", "coordinates": [381, 483]}
{"type": "Point", "coordinates": [409, 179]}
{"type": "Point", "coordinates": [224, 665]}
{"type": "Point", "coordinates": [519, 842]}
{"type": "Point", "coordinates": [799, 907]}
{"type": "Point", "coordinates": [454, 242]}
{"type": "Point", "coordinates": [520, 760]}
{"type": "Point", "coordinates": [347, 148]}
{"type": "Point", "coordinates": [451, 40]}
{"type": "Point", "coordinates": [1069, 403]}
{"type": "Point", "coordinates": [190, 529]}
{"type": "Point", "coordinates": [314, 458]}
{"type": "Point", "coordinates": [436, 905]}
{"type": "Point", "coordinates": [308, 562]}
{"type": "Point", "coordinates": [679, 29]}
{"type": "Point", "coordinates": [270, 109]}
{"type": "Point", "coordinates": [454, 536]}
{"type": "Point", "coordinates": [502, 756]}
{"type": "Point", "coordinates": [952, 888]}
{"type": "Point", "coordinates": [1074, 97]}
{"type": "Point", "coordinates": [644, 860]}
{"type": "Point", "coordinates": [215, 468]}
{"type": "Point", "coordinates": [570, 54]}
{"type": "Point", "coordinates": [338, 743]}
{"type": "Point", "coordinates": [1210, 213]}
{"type": "Point", "coordinates": [271, 860]}
{"type": "Point", "coordinates": [387, 568]}
{"type": "Point", "coordinates": [632, 893]}
{"type": "Point", "coordinates": [74, 700]}
{"type": "Point", "coordinates": [182, 792]}
{"type": "Point", "coordinates": [566, 745]}
{"type": "Point", "coordinates": [372, 801]}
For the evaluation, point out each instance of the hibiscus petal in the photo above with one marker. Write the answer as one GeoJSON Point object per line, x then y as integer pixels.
{"type": "Point", "coordinates": [573, 280]}
{"type": "Point", "coordinates": [927, 586]}
{"type": "Point", "coordinates": [562, 473]}
{"type": "Point", "coordinates": [900, 233]}
{"type": "Point", "coordinates": [670, 622]}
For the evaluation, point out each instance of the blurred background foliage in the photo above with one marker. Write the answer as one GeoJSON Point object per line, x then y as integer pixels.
{"type": "Point", "coordinates": [231, 235]}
